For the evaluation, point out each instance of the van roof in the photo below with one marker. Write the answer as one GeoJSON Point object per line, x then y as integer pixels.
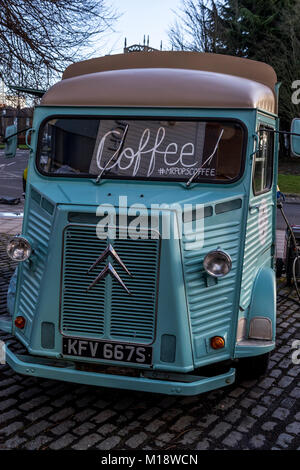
{"type": "Point", "coordinates": [167, 79]}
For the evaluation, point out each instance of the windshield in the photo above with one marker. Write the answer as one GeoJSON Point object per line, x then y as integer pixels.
{"type": "Point", "coordinates": [141, 149]}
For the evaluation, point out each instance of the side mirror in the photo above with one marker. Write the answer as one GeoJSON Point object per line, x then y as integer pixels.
{"type": "Point", "coordinates": [295, 139]}
{"type": "Point", "coordinates": [11, 141]}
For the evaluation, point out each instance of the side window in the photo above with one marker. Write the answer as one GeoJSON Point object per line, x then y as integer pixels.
{"type": "Point", "coordinates": [263, 163]}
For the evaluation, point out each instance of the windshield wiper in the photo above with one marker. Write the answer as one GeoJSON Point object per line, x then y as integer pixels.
{"type": "Point", "coordinates": [115, 156]}
{"type": "Point", "coordinates": [209, 159]}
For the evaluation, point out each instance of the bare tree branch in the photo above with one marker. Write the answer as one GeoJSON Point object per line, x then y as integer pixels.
{"type": "Point", "coordinates": [197, 28]}
{"type": "Point", "coordinates": [39, 38]}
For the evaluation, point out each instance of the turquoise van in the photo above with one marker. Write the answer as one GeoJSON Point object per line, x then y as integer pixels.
{"type": "Point", "coordinates": [146, 259]}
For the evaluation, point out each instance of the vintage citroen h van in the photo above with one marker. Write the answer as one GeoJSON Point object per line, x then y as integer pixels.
{"type": "Point", "coordinates": [147, 248]}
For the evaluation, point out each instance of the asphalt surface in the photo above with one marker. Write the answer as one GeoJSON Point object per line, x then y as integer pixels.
{"type": "Point", "coordinates": [11, 171]}
{"type": "Point", "coordinates": [292, 212]}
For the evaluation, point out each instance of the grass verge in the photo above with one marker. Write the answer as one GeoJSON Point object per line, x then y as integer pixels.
{"type": "Point", "coordinates": [289, 184]}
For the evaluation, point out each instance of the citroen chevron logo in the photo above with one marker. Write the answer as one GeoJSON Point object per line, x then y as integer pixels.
{"type": "Point", "coordinates": [109, 269]}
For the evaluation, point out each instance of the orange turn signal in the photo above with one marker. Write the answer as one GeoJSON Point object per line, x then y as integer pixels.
{"type": "Point", "coordinates": [20, 322]}
{"type": "Point", "coordinates": [217, 342]}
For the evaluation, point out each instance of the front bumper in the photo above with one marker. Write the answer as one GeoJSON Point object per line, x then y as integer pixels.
{"type": "Point", "coordinates": [66, 371]}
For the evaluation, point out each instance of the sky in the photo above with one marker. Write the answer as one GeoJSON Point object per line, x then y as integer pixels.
{"type": "Point", "coordinates": [141, 17]}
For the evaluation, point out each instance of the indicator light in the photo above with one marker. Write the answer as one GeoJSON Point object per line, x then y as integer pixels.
{"type": "Point", "coordinates": [20, 322]}
{"type": "Point", "coordinates": [217, 342]}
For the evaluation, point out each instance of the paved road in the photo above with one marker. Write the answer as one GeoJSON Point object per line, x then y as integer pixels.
{"type": "Point", "coordinates": [11, 171]}
{"type": "Point", "coordinates": [292, 212]}
{"type": "Point", "coordinates": [263, 414]}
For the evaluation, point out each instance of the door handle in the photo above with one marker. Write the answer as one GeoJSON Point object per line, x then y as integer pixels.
{"type": "Point", "coordinates": [253, 209]}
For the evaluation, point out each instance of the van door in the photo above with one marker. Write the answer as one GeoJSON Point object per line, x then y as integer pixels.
{"type": "Point", "coordinates": [260, 233]}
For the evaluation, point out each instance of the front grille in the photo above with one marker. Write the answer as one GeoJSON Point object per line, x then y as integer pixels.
{"type": "Point", "coordinates": [106, 311]}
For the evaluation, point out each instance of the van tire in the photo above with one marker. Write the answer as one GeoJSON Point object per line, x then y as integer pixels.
{"type": "Point", "coordinates": [253, 367]}
{"type": "Point", "coordinates": [279, 267]}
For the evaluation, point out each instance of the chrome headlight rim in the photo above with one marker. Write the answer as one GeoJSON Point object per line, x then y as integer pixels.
{"type": "Point", "coordinates": [227, 259]}
{"type": "Point", "coordinates": [19, 239]}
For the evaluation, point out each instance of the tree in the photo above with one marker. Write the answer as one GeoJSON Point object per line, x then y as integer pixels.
{"type": "Point", "coordinates": [263, 30]}
{"type": "Point", "coordinates": [39, 38]}
{"type": "Point", "coordinates": [267, 31]}
{"type": "Point", "coordinates": [197, 27]}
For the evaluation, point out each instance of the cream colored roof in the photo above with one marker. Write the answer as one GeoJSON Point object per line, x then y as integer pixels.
{"type": "Point", "coordinates": [167, 79]}
{"type": "Point", "coordinates": [220, 63]}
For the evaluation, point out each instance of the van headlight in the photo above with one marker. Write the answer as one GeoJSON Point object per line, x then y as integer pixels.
{"type": "Point", "coordinates": [19, 248]}
{"type": "Point", "coordinates": [217, 263]}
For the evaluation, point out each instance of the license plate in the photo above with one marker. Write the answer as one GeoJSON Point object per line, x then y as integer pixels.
{"type": "Point", "coordinates": [106, 350]}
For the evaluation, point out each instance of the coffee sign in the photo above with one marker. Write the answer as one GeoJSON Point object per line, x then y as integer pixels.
{"type": "Point", "coordinates": [154, 152]}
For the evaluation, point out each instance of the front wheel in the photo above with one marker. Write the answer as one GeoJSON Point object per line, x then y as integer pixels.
{"type": "Point", "coordinates": [253, 367]}
{"type": "Point", "coordinates": [279, 267]}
